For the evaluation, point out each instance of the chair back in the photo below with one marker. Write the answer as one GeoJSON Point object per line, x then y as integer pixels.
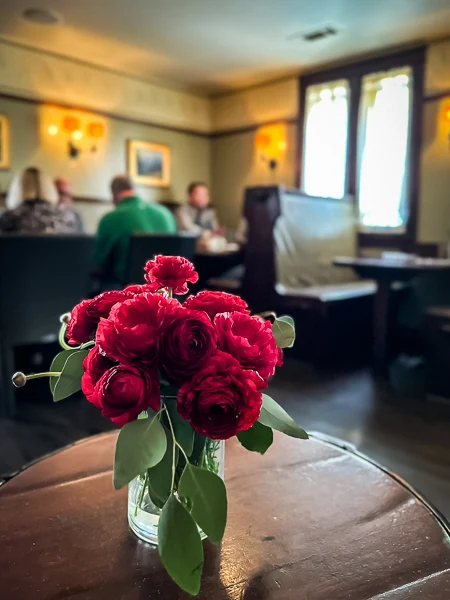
{"type": "Point", "coordinates": [41, 277]}
{"type": "Point", "coordinates": [145, 246]}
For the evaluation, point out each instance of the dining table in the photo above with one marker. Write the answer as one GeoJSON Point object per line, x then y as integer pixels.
{"type": "Point", "coordinates": [386, 272]}
{"type": "Point", "coordinates": [309, 520]}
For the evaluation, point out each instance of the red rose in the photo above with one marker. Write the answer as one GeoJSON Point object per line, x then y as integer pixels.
{"type": "Point", "coordinates": [222, 399]}
{"type": "Point", "coordinates": [213, 303]}
{"type": "Point", "coordinates": [94, 366]}
{"type": "Point", "coordinates": [249, 339]}
{"type": "Point", "coordinates": [130, 332]}
{"type": "Point", "coordinates": [86, 315]}
{"type": "Point", "coordinates": [136, 288]}
{"type": "Point", "coordinates": [170, 272]}
{"type": "Point", "coordinates": [187, 340]}
{"type": "Point", "coordinates": [123, 392]}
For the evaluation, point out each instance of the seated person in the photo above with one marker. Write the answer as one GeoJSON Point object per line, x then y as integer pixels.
{"type": "Point", "coordinates": [32, 206]}
{"type": "Point", "coordinates": [131, 215]}
{"type": "Point", "coordinates": [196, 215]}
{"type": "Point", "coordinates": [64, 189]}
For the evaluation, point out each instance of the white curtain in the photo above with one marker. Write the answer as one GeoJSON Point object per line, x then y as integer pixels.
{"type": "Point", "coordinates": [325, 139]}
{"type": "Point", "coordinates": [383, 143]}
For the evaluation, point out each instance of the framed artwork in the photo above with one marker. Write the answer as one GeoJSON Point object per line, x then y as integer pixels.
{"type": "Point", "coordinates": [4, 142]}
{"type": "Point", "coordinates": [149, 164]}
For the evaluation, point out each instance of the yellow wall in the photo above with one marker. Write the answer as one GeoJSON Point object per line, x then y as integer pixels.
{"type": "Point", "coordinates": [31, 145]}
{"type": "Point", "coordinates": [434, 208]}
{"type": "Point", "coordinates": [33, 74]}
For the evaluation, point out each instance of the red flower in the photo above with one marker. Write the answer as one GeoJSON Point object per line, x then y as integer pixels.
{"type": "Point", "coordinates": [187, 340]}
{"type": "Point", "coordinates": [222, 399]}
{"type": "Point", "coordinates": [170, 272]}
{"type": "Point", "coordinates": [94, 366]}
{"type": "Point", "coordinates": [213, 303]}
{"type": "Point", "coordinates": [123, 392]}
{"type": "Point", "coordinates": [136, 288]}
{"type": "Point", "coordinates": [130, 332]}
{"type": "Point", "coordinates": [250, 340]}
{"type": "Point", "coordinates": [86, 315]}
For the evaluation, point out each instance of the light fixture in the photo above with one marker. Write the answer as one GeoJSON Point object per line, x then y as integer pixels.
{"type": "Point", "coordinates": [95, 130]}
{"type": "Point", "coordinates": [71, 124]}
{"type": "Point", "coordinates": [447, 119]}
{"type": "Point", "coordinates": [270, 141]}
{"type": "Point", "coordinates": [77, 134]}
{"type": "Point", "coordinates": [53, 129]}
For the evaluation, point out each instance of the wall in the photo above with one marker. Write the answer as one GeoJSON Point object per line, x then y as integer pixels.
{"type": "Point", "coordinates": [235, 161]}
{"type": "Point", "coordinates": [43, 76]}
{"type": "Point", "coordinates": [434, 215]}
{"type": "Point", "coordinates": [91, 172]}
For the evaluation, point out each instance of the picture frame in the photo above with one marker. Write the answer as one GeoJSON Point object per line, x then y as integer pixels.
{"type": "Point", "coordinates": [149, 164]}
{"type": "Point", "coordinates": [4, 143]}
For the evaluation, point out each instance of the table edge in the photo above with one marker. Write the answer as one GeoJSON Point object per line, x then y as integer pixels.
{"type": "Point", "coordinates": [321, 437]}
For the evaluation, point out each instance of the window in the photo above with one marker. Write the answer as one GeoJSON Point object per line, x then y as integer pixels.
{"type": "Point", "coordinates": [325, 143]}
{"type": "Point", "coordinates": [358, 127]}
{"type": "Point", "coordinates": [383, 140]}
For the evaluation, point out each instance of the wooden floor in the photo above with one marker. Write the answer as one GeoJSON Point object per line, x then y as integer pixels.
{"type": "Point", "coordinates": [408, 436]}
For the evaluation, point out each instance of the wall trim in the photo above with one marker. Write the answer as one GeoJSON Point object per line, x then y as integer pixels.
{"type": "Point", "coordinates": [437, 96]}
{"type": "Point", "coordinates": [253, 127]}
{"type": "Point", "coordinates": [103, 113]}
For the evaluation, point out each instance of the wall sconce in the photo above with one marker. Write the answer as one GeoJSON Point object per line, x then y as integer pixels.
{"type": "Point", "coordinates": [270, 141]}
{"type": "Point", "coordinates": [447, 119]}
{"type": "Point", "coordinates": [72, 126]}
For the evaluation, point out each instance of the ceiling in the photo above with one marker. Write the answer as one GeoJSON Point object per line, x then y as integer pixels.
{"type": "Point", "coordinates": [219, 45]}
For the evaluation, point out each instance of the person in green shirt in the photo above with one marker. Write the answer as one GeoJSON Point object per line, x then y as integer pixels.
{"type": "Point", "coordinates": [131, 215]}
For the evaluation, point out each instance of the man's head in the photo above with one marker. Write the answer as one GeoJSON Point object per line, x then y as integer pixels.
{"type": "Point", "coordinates": [64, 189]}
{"type": "Point", "coordinates": [198, 194]}
{"type": "Point", "coordinates": [121, 187]}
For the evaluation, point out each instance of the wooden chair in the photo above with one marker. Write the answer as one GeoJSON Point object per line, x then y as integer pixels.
{"type": "Point", "coordinates": [145, 246]}
{"type": "Point", "coordinates": [41, 277]}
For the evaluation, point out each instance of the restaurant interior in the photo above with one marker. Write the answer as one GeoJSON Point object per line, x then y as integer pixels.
{"type": "Point", "coordinates": [319, 135]}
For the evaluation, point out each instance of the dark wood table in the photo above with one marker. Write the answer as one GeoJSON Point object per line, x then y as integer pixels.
{"type": "Point", "coordinates": [385, 272]}
{"type": "Point", "coordinates": [214, 264]}
{"type": "Point", "coordinates": [308, 521]}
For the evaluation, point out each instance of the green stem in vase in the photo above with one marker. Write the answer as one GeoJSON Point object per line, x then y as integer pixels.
{"type": "Point", "coordinates": [141, 495]}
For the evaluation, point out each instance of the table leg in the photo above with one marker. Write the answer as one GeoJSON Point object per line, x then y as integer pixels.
{"type": "Point", "coordinates": [380, 323]}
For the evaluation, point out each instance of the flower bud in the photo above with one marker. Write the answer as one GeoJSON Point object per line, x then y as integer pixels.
{"type": "Point", "coordinates": [65, 318]}
{"type": "Point", "coordinates": [19, 379]}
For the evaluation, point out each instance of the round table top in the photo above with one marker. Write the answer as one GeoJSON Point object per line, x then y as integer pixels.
{"type": "Point", "coordinates": [307, 521]}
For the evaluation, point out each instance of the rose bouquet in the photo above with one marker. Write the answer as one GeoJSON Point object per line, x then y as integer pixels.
{"type": "Point", "coordinates": [178, 379]}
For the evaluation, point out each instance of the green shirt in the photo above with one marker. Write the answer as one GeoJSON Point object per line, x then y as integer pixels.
{"type": "Point", "coordinates": [115, 229]}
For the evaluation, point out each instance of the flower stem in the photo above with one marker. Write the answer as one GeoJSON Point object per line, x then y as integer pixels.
{"type": "Point", "coordinates": [170, 292]}
{"type": "Point", "coordinates": [46, 374]}
{"type": "Point", "coordinates": [173, 450]}
{"type": "Point", "coordinates": [62, 338]}
{"type": "Point", "coordinates": [141, 495]}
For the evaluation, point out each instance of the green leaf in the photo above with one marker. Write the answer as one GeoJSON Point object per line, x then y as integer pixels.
{"type": "Point", "coordinates": [283, 329]}
{"type": "Point", "coordinates": [207, 498]}
{"type": "Point", "coordinates": [180, 546]}
{"type": "Point", "coordinates": [141, 444]}
{"type": "Point", "coordinates": [69, 381]}
{"type": "Point", "coordinates": [57, 366]}
{"type": "Point", "coordinates": [160, 476]}
{"type": "Point", "coordinates": [184, 434]}
{"type": "Point", "coordinates": [272, 415]}
{"type": "Point", "coordinates": [257, 439]}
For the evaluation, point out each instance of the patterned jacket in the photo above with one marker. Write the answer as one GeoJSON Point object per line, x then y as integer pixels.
{"type": "Point", "coordinates": [39, 216]}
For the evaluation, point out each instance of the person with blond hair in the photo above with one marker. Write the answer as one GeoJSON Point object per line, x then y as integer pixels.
{"type": "Point", "coordinates": [32, 206]}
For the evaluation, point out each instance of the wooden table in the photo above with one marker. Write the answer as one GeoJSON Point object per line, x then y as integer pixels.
{"type": "Point", "coordinates": [214, 264]}
{"type": "Point", "coordinates": [385, 272]}
{"type": "Point", "coordinates": [308, 521]}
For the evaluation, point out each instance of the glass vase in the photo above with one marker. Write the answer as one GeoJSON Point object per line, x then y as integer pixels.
{"type": "Point", "coordinates": [143, 515]}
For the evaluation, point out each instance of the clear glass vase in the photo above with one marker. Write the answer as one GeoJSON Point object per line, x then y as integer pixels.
{"type": "Point", "coordinates": [143, 515]}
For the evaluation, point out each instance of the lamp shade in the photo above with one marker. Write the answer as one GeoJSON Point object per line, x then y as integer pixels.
{"type": "Point", "coordinates": [70, 124]}
{"type": "Point", "coordinates": [96, 130]}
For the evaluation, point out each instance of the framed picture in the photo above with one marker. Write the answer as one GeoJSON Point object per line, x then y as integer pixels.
{"type": "Point", "coordinates": [149, 164]}
{"type": "Point", "coordinates": [4, 142]}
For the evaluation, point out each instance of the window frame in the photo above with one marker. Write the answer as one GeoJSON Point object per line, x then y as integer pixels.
{"type": "Point", "coordinates": [354, 73]}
